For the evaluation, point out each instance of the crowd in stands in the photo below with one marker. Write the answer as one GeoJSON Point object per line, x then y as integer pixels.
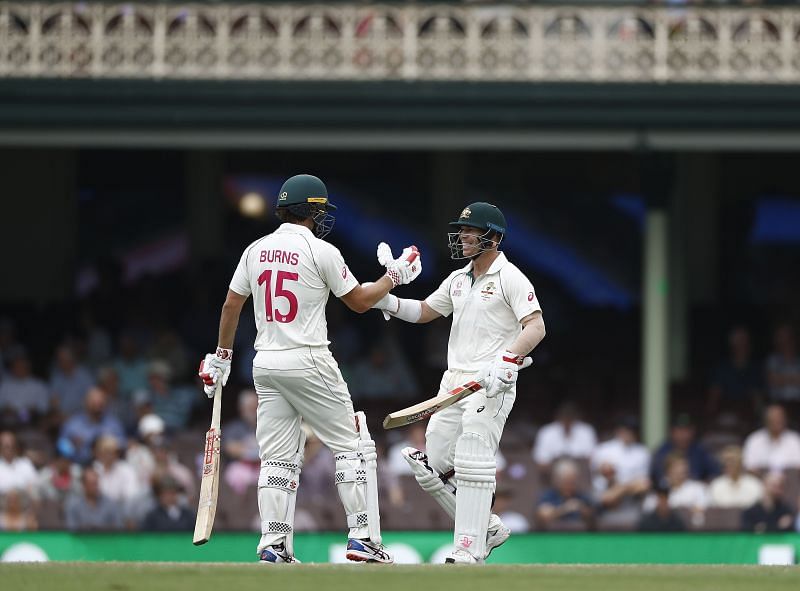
{"type": "Point", "coordinates": [108, 434]}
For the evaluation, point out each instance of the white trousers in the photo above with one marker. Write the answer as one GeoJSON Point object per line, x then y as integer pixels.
{"type": "Point", "coordinates": [477, 414]}
{"type": "Point", "coordinates": [305, 384]}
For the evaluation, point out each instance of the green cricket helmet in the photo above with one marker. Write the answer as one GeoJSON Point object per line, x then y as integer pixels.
{"type": "Point", "coordinates": [306, 196]}
{"type": "Point", "coordinates": [483, 216]}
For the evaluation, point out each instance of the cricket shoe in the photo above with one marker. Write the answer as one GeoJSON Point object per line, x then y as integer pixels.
{"type": "Point", "coordinates": [496, 534]}
{"type": "Point", "coordinates": [366, 551]}
{"type": "Point", "coordinates": [461, 556]}
{"type": "Point", "coordinates": [276, 555]}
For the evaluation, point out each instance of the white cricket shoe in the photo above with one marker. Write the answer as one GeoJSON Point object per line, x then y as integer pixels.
{"type": "Point", "coordinates": [460, 556]}
{"type": "Point", "coordinates": [496, 534]}
{"type": "Point", "coordinates": [276, 555]}
{"type": "Point", "coordinates": [366, 551]}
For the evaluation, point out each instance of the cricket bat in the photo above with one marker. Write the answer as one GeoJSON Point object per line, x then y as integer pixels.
{"type": "Point", "coordinates": [209, 484]}
{"type": "Point", "coordinates": [424, 409]}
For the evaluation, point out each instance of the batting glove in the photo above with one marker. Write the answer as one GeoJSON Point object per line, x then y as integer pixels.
{"type": "Point", "coordinates": [404, 269]}
{"type": "Point", "coordinates": [215, 367]}
{"type": "Point", "coordinates": [501, 374]}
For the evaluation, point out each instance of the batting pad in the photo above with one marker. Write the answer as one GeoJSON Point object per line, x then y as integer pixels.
{"type": "Point", "coordinates": [351, 484]}
{"type": "Point", "coordinates": [475, 478]}
{"type": "Point", "coordinates": [277, 493]}
{"type": "Point", "coordinates": [429, 480]}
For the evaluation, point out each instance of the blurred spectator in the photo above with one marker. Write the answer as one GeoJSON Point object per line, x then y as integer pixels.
{"type": "Point", "coordinates": [735, 487]}
{"type": "Point", "coordinates": [140, 454]}
{"type": "Point", "coordinates": [564, 504]}
{"type": "Point", "coordinates": [565, 437]}
{"type": "Point", "coordinates": [16, 471]}
{"type": "Point", "coordinates": [737, 382]}
{"type": "Point", "coordinates": [118, 480]}
{"type": "Point", "coordinates": [172, 404]}
{"type": "Point", "coordinates": [383, 374]}
{"type": "Point", "coordinates": [619, 503]}
{"type": "Point", "coordinates": [22, 396]}
{"type": "Point", "coordinates": [684, 493]}
{"type": "Point", "coordinates": [98, 339]}
{"type": "Point", "coordinates": [60, 478]}
{"type": "Point", "coordinates": [774, 447]}
{"type": "Point", "coordinates": [69, 381]}
{"type": "Point", "coordinates": [629, 458]}
{"type": "Point", "coordinates": [130, 366]}
{"type": "Point", "coordinates": [514, 520]}
{"type": "Point", "coordinates": [241, 445]}
{"type": "Point", "coordinates": [90, 509]}
{"type": "Point", "coordinates": [783, 369]}
{"type": "Point", "coordinates": [17, 513]}
{"type": "Point", "coordinates": [169, 514]}
{"type": "Point", "coordinates": [167, 465]}
{"type": "Point", "coordinates": [415, 437]}
{"type": "Point", "coordinates": [771, 513]}
{"type": "Point", "coordinates": [117, 404]}
{"type": "Point", "coordinates": [702, 465]}
{"type": "Point", "coordinates": [662, 517]}
{"type": "Point", "coordinates": [82, 429]}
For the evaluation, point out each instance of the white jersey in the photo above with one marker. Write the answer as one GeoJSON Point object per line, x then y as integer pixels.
{"type": "Point", "coordinates": [290, 274]}
{"type": "Point", "coordinates": [486, 312]}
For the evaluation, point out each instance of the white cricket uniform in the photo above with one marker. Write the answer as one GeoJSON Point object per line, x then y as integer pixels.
{"type": "Point", "coordinates": [486, 320]}
{"type": "Point", "coordinates": [290, 274]}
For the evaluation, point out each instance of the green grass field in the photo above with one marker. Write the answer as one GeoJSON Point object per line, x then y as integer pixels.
{"type": "Point", "coordinates": [242, 577]}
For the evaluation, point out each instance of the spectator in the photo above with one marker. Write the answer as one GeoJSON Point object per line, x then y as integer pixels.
{"type": "Point", "coordinates": [118, 480]}
{"type": "Point", "coordinates": [61, 478]}
{"type": "Point", "coordinates": [241, 445]}
{"type": "Point", "coordinates": [564, 505]}
{"type": "Point", "coordinates": [90, 509]}
{"type": "Point", "coordinates": [22, 396]}
{"type": "Point", "coordinates": [513, 520]}
{"type": "Point", "coordinates": [734, 488]}
{"type": "Point", "coordinates": [684, 493]}
{"type": "Point", "coordinates": [82, 429]}
{"type": "Point", "coordinates": [169, 514]}
{"type": "Point", "coordinates": [662, 517]}
{"type": "Point", "coordinates": [172, 404]}
{"type": "Point", "coordinates": [619, 502]}
{"type": "Point", "coordinates": [17, 513]}
{"type": "Point", "coordinates": [783, 369]}
{"type": "Point", "coordinates": [69, 381]}
{"type": "Point", "coordinates": [118, 405]}
{"type": "Point", "coordinates": [140, 453]}
{"type": "Point", "coordinates": [629, 458]}
{"type": "Point", "coordinates": [168, 346]}
{"type": "Point", "coordinates": [774, 447]}
{"type": "Point", "coordinates": [318, 465]}
{"type": "Point", "coordinates": [737, 382]}
{"type": "Point", "coordinates": [702, 465]}
{"type": "Point", "coordinates": [167, 465]}
{"type": "Point", "coordinates": [16, 471]}
{"type": "Point", "coordinates": [565, 437]}
{"type": "Point", "coordinates": [130, 366]}
{"type": "Point", "coordinates": [771, 513]}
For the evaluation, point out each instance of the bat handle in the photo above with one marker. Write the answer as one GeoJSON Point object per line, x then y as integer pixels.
{"type": "Point", "coordinates": [216, 411]}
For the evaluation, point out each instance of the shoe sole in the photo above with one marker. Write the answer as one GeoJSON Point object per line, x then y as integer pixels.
{"type": "Point", "coordinates": [354, 557]}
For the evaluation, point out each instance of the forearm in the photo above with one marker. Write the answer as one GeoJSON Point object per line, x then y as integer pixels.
{"type": "Point", "coordinates": [229, 319]}
{"type": "Point", "coordinates": [532, 334]}
{"type": "Point", "coordinates": [374, 292]}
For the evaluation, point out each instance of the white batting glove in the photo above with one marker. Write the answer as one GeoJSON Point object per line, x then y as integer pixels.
{"type": "Point", "coordinates": [501, 374]}
{"type": "Point", "coordinates": [215, 367]}
{"type": "Point", "coordinates": [405, 268]}
{"type": "Point", "coordinates": [385, 255]}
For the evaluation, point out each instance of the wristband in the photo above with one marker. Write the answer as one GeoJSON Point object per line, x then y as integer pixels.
{"type": "Point", "coordinates": [224, 354]}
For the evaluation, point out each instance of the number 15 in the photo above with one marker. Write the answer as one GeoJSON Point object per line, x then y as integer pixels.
{"type": "Point", "coordinates": [280, 292]}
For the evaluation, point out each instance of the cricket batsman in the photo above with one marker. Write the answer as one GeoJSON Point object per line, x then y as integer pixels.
{"type": "Point", "coordinates": [290, 274]}
{"type": "Point", "coordinates": [497, 321]}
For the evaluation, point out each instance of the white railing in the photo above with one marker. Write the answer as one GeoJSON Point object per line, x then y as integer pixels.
{"type": "Point", "coordinates": [407, 42]}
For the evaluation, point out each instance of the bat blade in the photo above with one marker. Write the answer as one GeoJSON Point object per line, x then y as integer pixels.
{"type": "Point", "coordinates": [209, 487]}
{"type": "Point", "coordinates": [426, 408]}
